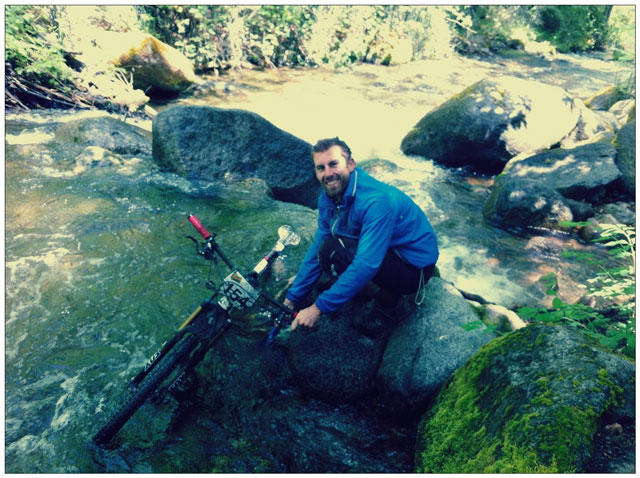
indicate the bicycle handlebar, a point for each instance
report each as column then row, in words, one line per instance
column 287, row 237
column 199, row 227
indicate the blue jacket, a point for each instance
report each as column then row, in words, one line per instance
column 381, row 217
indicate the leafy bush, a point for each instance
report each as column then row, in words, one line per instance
column 622, row 28
column 615, row 284
column 220, row 37
column 487, row 26
column 32, row 49
column 199, row 31
column 574, row 28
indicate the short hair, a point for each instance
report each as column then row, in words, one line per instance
column 324, row 144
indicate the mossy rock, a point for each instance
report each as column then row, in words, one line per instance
column 156, row 64
column 626, row 158
column 528, row 402
column 604, row 98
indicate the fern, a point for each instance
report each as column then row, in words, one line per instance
column 615, row 283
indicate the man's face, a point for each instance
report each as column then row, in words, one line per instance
column 333, row 171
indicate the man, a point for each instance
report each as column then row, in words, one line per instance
column 367, row 231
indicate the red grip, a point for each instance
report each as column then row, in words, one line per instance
column 198, row 225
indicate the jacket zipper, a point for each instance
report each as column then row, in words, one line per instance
column 335, row 222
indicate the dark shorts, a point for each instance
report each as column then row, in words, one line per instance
column 395, row 274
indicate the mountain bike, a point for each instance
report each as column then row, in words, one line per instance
column 168, row 368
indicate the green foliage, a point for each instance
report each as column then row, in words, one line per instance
column 488, row 26
column 618, row 281
column 622, row 33
column 574, row 28
column 221, row 37
column 615, row 284
column 32, row 49
column 199, row 31
column 276, row 34
column 569, row 28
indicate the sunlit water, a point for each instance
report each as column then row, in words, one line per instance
column 98, row 271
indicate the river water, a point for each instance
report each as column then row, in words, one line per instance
column 98, row 271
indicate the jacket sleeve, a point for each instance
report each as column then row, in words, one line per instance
column 310, row 270
column 375, row 237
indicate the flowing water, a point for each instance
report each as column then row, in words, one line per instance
column 98, row 271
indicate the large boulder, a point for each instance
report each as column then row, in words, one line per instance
column 626, row 158
column 530, row 401
column 492, row 121
column 542, row 190
column 588, row 172
column 334, row 361
column 108, row 133
column 520, row 204
column 217, row 144
column 153, row 64
column 403, row 362
column 428, row 347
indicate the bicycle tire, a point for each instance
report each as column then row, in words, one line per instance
column 159, row 373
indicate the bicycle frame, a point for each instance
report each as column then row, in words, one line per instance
column 165, row 370
column 235, row 293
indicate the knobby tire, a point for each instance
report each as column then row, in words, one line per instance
column 150, row 383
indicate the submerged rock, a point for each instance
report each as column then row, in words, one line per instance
column 106, row 132
column 531, row 401
column 269, row 426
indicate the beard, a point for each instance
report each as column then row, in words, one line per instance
column 335, row 185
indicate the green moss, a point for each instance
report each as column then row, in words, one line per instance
column 604, row 379
column 480, row 425
column 539, row 340
column 566, row 433
column 545, row 398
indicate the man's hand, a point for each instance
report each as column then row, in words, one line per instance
column 307, row 317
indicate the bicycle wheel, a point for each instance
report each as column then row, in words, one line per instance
column 160, row 372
